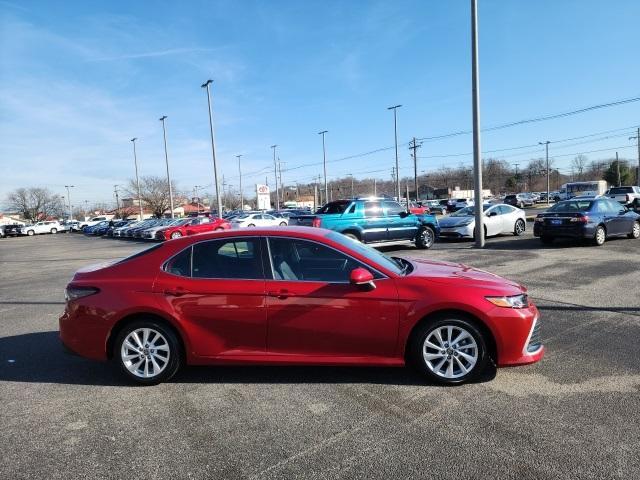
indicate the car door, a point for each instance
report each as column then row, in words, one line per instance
column 313, row 310
column 400, row 224
column 493, row 221
column 621, row 223
column 375, row 223
column 216, row 289
column 508, row 217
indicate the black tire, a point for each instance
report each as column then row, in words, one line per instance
column 251, row 225
column 174, row 346
column 600, row 236
column 546, row 240
column 425, row 238
column 283, row 224
column 54, row 231
column 519, row 231
column 31, row 233
column 635, row 230
column 458, row 322
column 352, row 236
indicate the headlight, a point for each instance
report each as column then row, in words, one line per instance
column 465, row 223
column 513, row 301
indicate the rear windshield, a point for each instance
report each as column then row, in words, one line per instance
column 510, row 197
column 617, row 190
column 571, row 206
column 335, row 207
column 141, row 253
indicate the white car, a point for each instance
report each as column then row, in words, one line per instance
column 42, row 227
column 258, row 220
column 498, row 219
column 94, row 221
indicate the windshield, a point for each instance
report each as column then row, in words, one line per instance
column 371, row 253
column 468, row 211
column 335, row 207
column 571, row 206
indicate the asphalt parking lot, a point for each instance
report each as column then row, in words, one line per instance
column 573, row 415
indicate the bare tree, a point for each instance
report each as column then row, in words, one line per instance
column 578, row 164
column 154, row 193
column 35, row 203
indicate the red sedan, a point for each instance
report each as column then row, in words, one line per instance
column 191, row 226
column 418, row 208
column 295, row 296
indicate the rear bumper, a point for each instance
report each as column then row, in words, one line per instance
column 564, row 231
column 84, row 334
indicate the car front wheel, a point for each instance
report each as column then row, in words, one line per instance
column 31, row 233
column 54, row 230
column 519, row 227
column 148, row 352
column 425, row 238
column 283, row 224
column 176, row 235
column 449, row 350
column 635, row 231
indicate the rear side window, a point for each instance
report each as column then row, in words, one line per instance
column 180, row 264
column 233, row 258
column 393, row 208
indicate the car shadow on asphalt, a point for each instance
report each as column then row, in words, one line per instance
column 40, row 358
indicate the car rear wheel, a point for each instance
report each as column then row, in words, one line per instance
column 519, row 227
column 352, row 236
column 600, row 236
column 426, row 238
column 219, row 229
column 54, row 230
column 251, row 225
column 176, row 235
column 635, row 231
column 31, row 233
column 283, row 224
column 449, row 350
column 148, row 352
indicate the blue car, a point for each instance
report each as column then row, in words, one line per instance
column 594, row 219
column 94, row 229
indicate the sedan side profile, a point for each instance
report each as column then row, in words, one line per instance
column 297, row 296
column 497, row 219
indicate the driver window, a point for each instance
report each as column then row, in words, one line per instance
column 302, row 260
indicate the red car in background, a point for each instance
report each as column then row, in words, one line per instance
column 193, row 226
column 295, row 296
column 418, row 208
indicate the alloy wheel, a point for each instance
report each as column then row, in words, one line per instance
column 145, row 353
column 600, row 236
column 635, row 233
column 176, row 235
column 519, row 227
column 450, row 351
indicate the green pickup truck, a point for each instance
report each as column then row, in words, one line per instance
column 373, row 220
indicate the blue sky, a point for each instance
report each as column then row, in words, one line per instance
column 79, row 79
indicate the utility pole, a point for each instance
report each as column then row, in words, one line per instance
column 115, row 191
column 275, row 169
column 395, row 133
column 375, row 188
column 477, row 152
column 546, row 146
column 516, row 165
column 393, row 179
column 166, row 159
column 135, row 161
column 618, row 169
column 213, row 149
column 414, row 146
column 637, row 138
column 351, row 175
column 240, row 173
column 324, row 165
column 69, row 199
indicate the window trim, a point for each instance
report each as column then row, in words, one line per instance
column 384, row 276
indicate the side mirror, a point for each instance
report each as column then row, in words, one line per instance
column 361, row 277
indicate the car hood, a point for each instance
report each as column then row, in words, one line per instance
column 454, row 221
column 458, row 274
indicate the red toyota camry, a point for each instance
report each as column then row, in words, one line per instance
column 295, row 296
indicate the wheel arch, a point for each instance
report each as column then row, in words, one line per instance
column 133, row 317
column 354, row 231
column 436, row 314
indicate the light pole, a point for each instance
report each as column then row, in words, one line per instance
column 395, row 133
column 240, row 173
column 324, row 165
column 69, row 199
column 166, row 159
column 135, row 162
column 275, row 170
column 477, row 159
column 213, row 148
column 546, row 146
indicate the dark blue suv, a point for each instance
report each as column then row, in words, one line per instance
column 595, row 219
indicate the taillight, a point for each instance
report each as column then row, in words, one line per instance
column 628, row 198
column 316, row 222
column 582, row 219
column 75, row 292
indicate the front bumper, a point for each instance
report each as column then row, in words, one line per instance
column 465, row 231
column 517, row 335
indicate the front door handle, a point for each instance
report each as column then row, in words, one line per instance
column 281, row 294
column 176, row 292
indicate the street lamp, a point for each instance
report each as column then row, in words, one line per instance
column 546, row 146
column 477, row 155
column 135, row 161
column 240, row 173
column 166, row 159
column 324, row 165
column 395, row 133
column 213, row 148
column 69, row 199
column 275, row 170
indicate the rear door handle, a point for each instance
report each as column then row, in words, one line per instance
column 282, row 294
column 176, row 292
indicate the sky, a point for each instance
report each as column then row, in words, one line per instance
column 79, row 79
